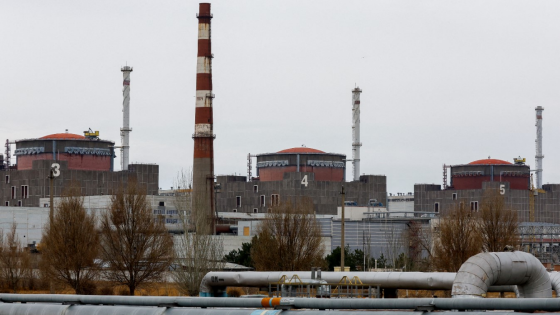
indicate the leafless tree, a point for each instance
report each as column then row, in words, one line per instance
column 289, row 239
column 135, row 245
column 498, row 224
column 458, row 238
column 394, row 242
column 419, row 239
column 70, row 244
column 14, row 259
column 197, row 252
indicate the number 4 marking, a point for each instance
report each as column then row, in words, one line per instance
column 304, row 181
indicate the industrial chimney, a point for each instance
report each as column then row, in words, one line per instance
column 203, row 162
column 356, row 132
column 538, row 145
column 125, row 130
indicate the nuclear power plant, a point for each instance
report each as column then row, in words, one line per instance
column 234, row 205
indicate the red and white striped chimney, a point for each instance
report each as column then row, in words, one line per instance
column 203, row 163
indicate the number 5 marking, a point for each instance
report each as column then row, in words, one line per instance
column 304, row 181
column 502, row 189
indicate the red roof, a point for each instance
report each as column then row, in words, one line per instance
column 490, row 162
column 63, row 136
column 301, row 150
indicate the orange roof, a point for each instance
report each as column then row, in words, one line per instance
column 63, row 136
column 489, row 162
column 301, row 150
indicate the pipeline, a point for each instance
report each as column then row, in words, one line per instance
column 217, row 281
column 177, row 305
column 504, row 268
column 555, row 282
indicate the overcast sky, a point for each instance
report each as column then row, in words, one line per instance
column 443, row 81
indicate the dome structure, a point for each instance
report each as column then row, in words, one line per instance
column 490, row 162
column 325, row 166
column 81, row 153
column 474, row 174
column 301, row 150
column 62, row 136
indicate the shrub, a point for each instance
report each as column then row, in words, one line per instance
column 235, row 292
column 106, row 291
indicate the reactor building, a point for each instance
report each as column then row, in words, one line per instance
column 533, row 201
column 289, row 175
column 83, row 160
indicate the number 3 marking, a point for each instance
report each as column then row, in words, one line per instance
column 56, row 169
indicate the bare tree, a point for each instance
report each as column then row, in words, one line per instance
column 498, row 224
column 197, row 252
column 459, row 238
column 14, row 259
column 419, row 239
column 394, row 240
column 70, row 244
column 289, row 239
column 135, row 245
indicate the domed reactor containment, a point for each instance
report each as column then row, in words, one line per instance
column 85, row 160
column 471, row 183
column 291, row 174
column 325, row 166
column 81, row 153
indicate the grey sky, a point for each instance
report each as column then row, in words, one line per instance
column 443, row 81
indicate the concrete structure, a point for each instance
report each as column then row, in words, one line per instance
column 26, row 187
column 538, row 146
column 203, row 162
column 126, row 129
column 295, row 173
column 83, row 160
column 356, row 144
column 238, row 195
column 400, row 202
column 470, row 181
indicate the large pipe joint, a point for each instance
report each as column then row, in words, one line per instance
column 481, row 271
column 555, row 281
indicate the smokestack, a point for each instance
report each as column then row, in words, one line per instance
column 538, row 144
column 125, row 130
column 203, row 162
column 356, row 132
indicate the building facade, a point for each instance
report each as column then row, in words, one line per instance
column 471, row 181
column 79, row 160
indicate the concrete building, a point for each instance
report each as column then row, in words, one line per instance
column 291, row 174
column 83, row 160
column 470, row 181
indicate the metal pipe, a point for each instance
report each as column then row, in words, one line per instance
column 538, row 146
column 213, row 281
column 174, row 303
column 555, row 282
column 356, row 144
column 125, row 130
column 516, row 268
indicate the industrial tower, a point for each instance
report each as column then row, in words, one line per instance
column 538, row 144
column 125, row 130
column 356, row 132
column 203, row 162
